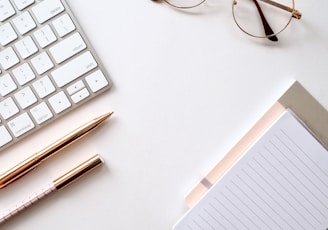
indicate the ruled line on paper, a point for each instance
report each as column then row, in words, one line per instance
column 299, row 170
column 196, row 223
column 279, row 194
column 223, row 216
column 205, row 220
column 280, row 187
column 214, row 218
column 307, row 178
column 291, row 184
column 256, row 204
column 264, row 201
column 229, row 211
column 241, row 211
column 250, row 210
column 301, row 160
column 306, row 155
column 277, row 202
column 297, row 178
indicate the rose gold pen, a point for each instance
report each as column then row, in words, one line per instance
column 57, row 184
column 36, row 159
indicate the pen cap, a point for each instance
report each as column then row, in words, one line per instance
column 77, row 172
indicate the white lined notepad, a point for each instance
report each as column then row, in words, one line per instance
column 281, row 182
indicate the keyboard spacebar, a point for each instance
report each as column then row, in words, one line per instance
column 74, row 69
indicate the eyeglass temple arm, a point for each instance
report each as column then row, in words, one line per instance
column 296, row 14
column 267, row 28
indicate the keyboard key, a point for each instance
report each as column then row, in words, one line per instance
column 79, row 96
column 77, row 86
column 8, row 34
column 5, row 137
column 74, row 69
column 21, row 124
column 23, row 74
column 8, row 108
column 96, row 81
column 7, row 85
column 44, row 87
column 67, row 48
column 41, row 113
column 59, row 102
column 22, row 4
column 25, row 97
column 26, row 47
column 6, row 10
column 42, row 63
column 8, row 58
column 47, row 9
column 45, row 36
column 63, row 25
column 24, row 23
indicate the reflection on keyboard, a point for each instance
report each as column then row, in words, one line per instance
column 47, row 66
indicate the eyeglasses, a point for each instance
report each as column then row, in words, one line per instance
column 253, row 16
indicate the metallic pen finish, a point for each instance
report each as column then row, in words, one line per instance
column 36, row 159
column 57, row 184
column 77, row 172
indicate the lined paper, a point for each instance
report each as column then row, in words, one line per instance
column 281, row 182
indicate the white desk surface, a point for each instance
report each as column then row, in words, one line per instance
column 186, row 88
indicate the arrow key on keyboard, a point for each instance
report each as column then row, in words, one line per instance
column 96, row 81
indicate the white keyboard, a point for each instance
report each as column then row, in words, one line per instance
column 47, row 66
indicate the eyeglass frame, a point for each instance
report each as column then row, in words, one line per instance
column 294, row 14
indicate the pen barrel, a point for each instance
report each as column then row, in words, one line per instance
column 19, row 170
column 65, row 141
column 78, row 172
column 24, row 204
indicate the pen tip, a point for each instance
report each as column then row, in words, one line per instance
column 104, row 117
column 107, row 115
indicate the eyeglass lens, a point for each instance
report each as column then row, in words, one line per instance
column 252, row 15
